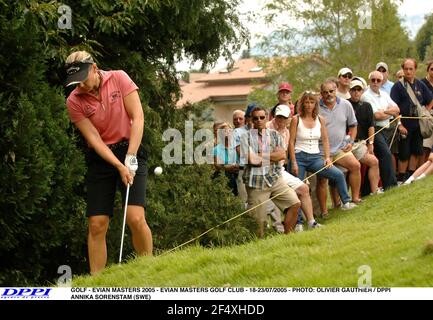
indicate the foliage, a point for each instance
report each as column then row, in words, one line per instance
column 334, row 30
column 424, row 39
column 41, row 208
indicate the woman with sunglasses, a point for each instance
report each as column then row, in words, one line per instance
column 307, row 130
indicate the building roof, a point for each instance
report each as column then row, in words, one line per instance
column 225, row 85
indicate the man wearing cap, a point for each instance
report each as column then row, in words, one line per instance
column 384, row 109
column 344, row 77
column 106, row 108
column 382, row 67
column 363, row 148
column 284, row 97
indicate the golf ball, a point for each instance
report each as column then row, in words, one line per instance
column 158, row 171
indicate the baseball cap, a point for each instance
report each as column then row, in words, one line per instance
column 250, row 108
column 77, row 71
column 356, row 83
column 360, row 79
column 344, row 71
column 383, row 65
column 282, row 110
column 285, row 86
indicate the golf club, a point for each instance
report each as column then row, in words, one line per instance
column 124, row 221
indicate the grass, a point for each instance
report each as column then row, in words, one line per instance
column 392, row 233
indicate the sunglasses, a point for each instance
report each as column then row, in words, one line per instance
column 257, row 118
column 347, row 76
column 328, row 92
column 356, row 89
column 376, row 80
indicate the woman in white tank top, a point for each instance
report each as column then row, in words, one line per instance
column 307, row 131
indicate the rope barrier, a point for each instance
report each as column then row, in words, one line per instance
column 279, row 194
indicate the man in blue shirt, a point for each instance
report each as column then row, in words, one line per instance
column 410, row 149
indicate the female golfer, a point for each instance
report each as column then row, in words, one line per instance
column 106, row 108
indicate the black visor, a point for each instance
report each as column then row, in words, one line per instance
column 77, row 72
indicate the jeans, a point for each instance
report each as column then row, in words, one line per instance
column 383, row 154
column 313, row 162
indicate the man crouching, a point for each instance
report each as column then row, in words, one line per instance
column 261, row 151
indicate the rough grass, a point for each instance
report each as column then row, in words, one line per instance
column 391, row 233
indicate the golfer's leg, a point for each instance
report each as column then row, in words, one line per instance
column 141, row 234
column 98, row 226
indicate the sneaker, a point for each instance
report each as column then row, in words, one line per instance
column 279, row 228
column 348, row 206
column 378, row 191
column 299, row 228
column 315, row 225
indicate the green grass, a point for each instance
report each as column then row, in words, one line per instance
column 389, row 232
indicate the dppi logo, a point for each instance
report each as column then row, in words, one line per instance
column 25, row 293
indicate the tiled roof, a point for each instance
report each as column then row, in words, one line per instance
column 239, row 82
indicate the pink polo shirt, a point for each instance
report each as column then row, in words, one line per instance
column 108, row 114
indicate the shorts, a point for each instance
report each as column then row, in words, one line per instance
column 339, row 155
column 103, row 179
column 411, row 145
column 359, row 150
column 286, row 198
column 292, row 181
column 428, row 143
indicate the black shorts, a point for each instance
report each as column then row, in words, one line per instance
column 103, row 179
column 411, row 145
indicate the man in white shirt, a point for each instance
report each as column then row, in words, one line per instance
column 384, row 109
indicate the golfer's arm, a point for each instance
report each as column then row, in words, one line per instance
column 94, row 140
column 135, row 112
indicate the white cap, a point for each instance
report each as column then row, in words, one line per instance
column 344, row 71
column 356, row 83
column 383, row 65
column 282, row 110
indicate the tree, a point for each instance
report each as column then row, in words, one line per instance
column 424, row 37
column 343, row 33
column 42, row 204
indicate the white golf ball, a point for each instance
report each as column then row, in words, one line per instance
column 158, row 171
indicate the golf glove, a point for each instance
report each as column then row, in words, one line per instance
column 131, row 163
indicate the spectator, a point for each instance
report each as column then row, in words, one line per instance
column 428, row 81
column 344, row 77
column 410, row 149
column 284, row 97
column 238, row 118
column 423, row 171
column 399, row 74
column 242, row 191
column 261, row 153
column 225, row 157
column 279, row 123
column 384, row 109
column 382, row 67
column 339, row 116
column 364, row 148
column 307, row 130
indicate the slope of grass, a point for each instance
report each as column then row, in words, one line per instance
column 387, row 232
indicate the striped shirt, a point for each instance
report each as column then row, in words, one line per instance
column 268, row 173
